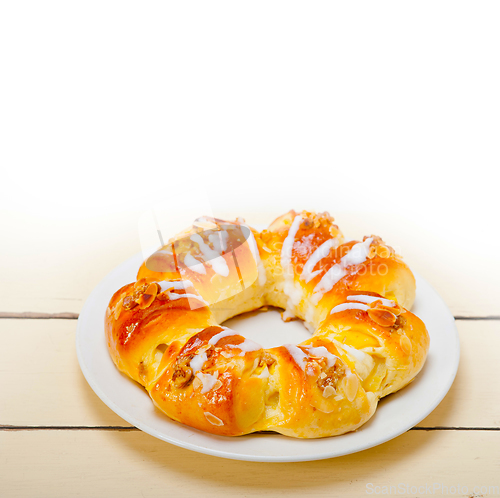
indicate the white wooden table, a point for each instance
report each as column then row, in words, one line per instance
column 57, row 439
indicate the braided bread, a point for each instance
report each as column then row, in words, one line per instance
column 164, row 330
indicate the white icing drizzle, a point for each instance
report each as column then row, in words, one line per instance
column 219, row 240
column 174, row 296
column 252, row 244
column 246, row 346
column 193, row 264
column 293, row 292
column 208, row 381
column 371, row 299
column 225, row 333
column 356, row 255
column 324, row 353
column 321, row 252
column 174, row 284
column 214, row 259
column 297, row 354
column 349, row 306
column 330, row 278
column 286, row 250
column 219, row 266
column 198, row 361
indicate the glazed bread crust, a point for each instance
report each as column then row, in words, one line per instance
column 164, row 330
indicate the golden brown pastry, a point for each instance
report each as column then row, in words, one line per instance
column 165, row 332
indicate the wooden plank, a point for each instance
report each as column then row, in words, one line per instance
column 471, row 401
column 117, row 464
column 41, row 382
column 38, row 357
column 52, row 265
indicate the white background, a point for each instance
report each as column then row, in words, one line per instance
column 385, row 113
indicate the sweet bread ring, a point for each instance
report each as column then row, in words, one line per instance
column 165, row 332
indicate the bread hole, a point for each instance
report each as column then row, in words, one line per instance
column 274, row 399
column 271, row 364
column 159, row 352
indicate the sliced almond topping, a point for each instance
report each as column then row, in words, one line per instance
column 351, row 386
column 197, row 383
column 322, row 375
column 217, row 385
column 118, row 309
column 325, row 410
column 146, row 299
column 328, row 391
column 213, row 419
column 397, row 310
column 382, row 317
column 338, row 397
column 153, row 288
column 405, row 344
column 265, row 248
column 163, row 296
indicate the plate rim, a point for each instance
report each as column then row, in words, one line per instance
column 131, row 419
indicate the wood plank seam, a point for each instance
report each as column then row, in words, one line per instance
column 35, row 315
column 66, row 428
column 126, row 428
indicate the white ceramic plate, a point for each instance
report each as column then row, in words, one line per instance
column 395, row 414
